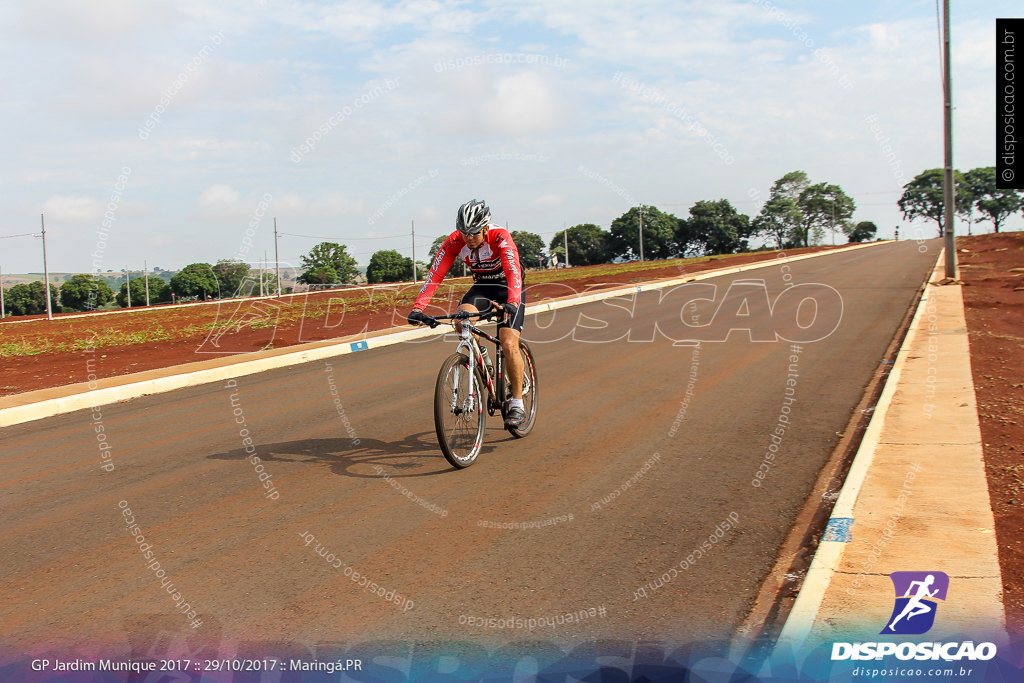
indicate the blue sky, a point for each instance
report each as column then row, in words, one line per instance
column 554, row 112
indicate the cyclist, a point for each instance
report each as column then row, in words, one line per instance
column 492, row 256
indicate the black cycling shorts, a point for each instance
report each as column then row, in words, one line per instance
column 482, row 294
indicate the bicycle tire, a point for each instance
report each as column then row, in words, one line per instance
column 460, row 432
column 530, row 403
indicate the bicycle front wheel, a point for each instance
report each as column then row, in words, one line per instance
column 459, row 411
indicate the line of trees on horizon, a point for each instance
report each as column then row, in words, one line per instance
column 796, row 213
column 89, row 292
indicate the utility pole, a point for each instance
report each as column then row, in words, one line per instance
column 277, row 260
column 46, row 270
column 128, row 286
column 145, row 278
column 2, row 313
column 413, row 224
column 262, row 266
column 565, row 236
column 833, row 221
column 950, row 191
column 641, row 233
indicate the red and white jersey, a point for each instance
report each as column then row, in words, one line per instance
column 496, row 260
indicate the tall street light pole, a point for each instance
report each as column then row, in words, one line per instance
column 949, row 196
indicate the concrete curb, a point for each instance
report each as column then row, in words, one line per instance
column 843, row 599
column 36, row 405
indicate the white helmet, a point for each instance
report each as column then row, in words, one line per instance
column 473, row 217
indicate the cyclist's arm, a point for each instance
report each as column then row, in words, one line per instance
column 510, row 265
column 443, row 261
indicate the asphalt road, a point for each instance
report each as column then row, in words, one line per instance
column 637, row 499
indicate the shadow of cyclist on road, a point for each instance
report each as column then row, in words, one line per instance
column 416, row 455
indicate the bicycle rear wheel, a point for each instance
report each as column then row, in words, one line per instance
column 459, row 411
column 529, row 392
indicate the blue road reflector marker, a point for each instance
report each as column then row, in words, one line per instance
column 359, row 346
column 838, row 529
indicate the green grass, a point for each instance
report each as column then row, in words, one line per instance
column 25, row 348
column 93, row 340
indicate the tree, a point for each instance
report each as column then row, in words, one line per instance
column 965, row 204
column 195, row 279
column 230, row 275
column 321, row 275
column 713, row 228
column 863, row 232
column 996, row 204
column 19, row 300
column 791, row 185
column 924, row 196
column 530, row 246
column 589, row 244
column 659, row 234
column 823, row 207
column 326, row 257
column 388, row 266
column 30, row 299
column 85, row 293
column 158, row 291
column 779, row 217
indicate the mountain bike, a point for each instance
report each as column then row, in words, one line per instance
column 468, row 384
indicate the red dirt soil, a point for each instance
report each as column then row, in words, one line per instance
column 992, row 268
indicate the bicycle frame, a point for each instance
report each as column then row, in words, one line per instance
column 469, row 345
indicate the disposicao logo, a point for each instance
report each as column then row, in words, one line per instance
column 917, row 596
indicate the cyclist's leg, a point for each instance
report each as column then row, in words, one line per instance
column 513, row 359
column 509, row 333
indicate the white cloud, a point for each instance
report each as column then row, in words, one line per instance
column 549, row 200
column 520, row 104
column 327, row 205
column 430, row 214
column 81, row 78
column 207, row 148
column 96, row 23
column 70, row 209
column 358, row 22
column 219, row 201
column 882, row 38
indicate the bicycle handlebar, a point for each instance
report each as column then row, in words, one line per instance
column 465, row 315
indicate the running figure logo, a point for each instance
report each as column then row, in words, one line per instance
column 917, row 594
